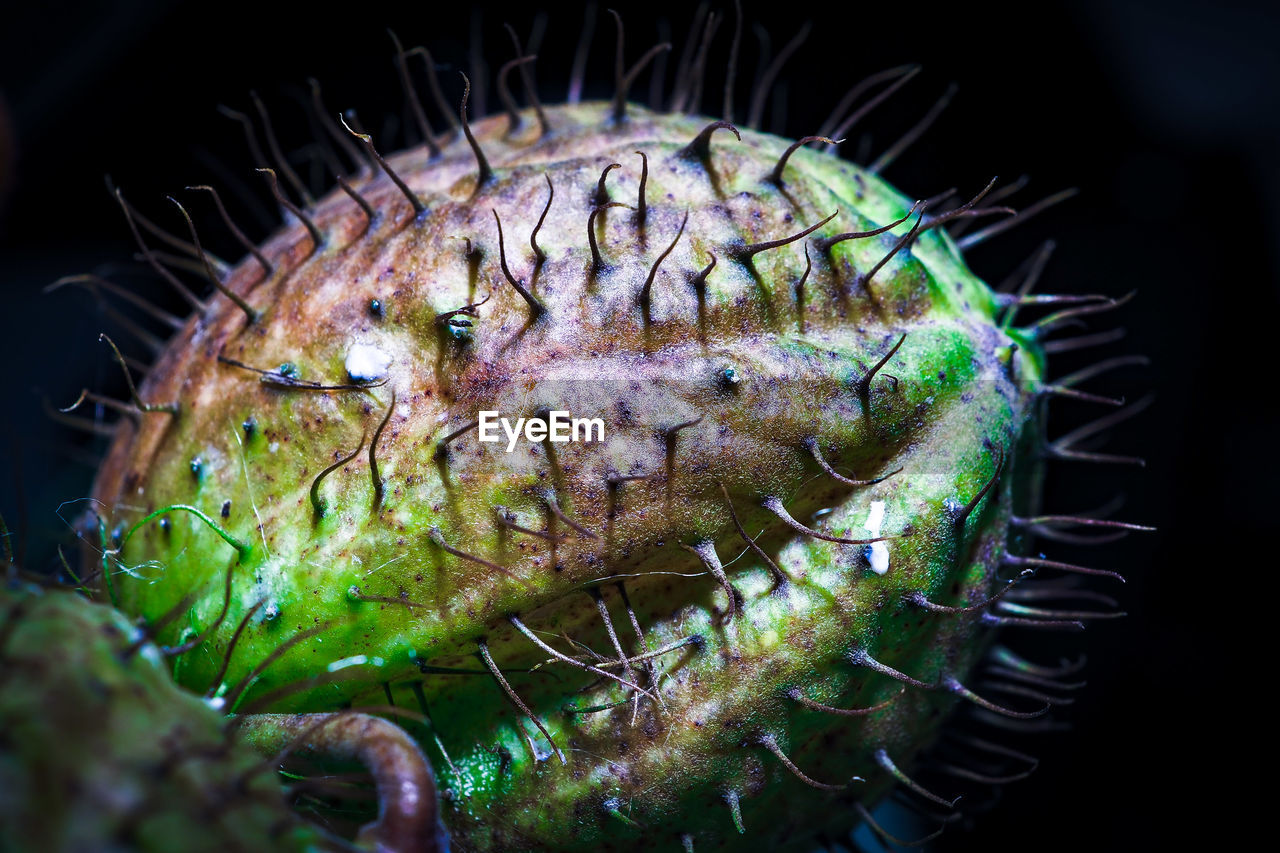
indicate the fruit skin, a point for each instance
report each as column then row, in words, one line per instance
column 99, row 750
column 386, row 589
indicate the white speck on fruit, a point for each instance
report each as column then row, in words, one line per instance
column 367, row 363
column 355, row 660
column 540, row 752
column 877, row 552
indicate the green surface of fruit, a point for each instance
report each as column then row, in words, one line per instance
column 622, row 642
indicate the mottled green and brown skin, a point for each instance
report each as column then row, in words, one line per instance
column 100, row 750
column 406, row 588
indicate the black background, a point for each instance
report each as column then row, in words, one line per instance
column 1165, row 114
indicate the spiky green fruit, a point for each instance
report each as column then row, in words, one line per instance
column 613, row 638
column 99, row 750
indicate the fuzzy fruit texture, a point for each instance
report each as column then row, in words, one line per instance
column 614, row 640
column 99, row 750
